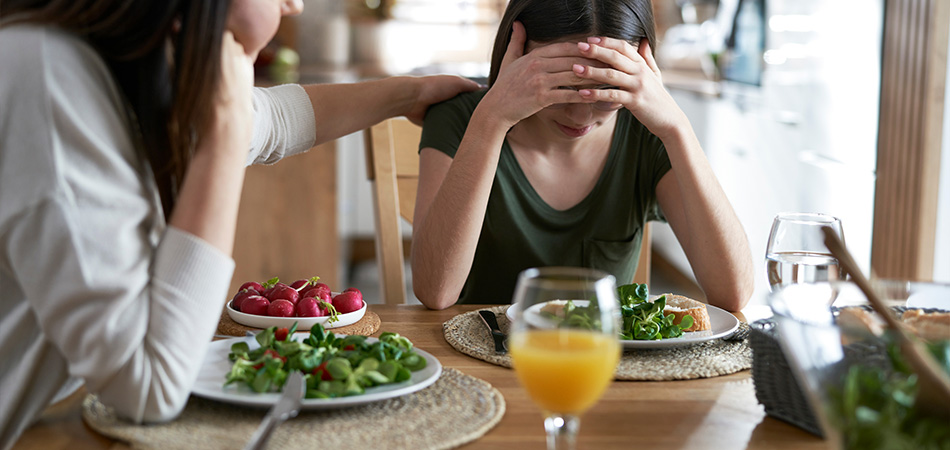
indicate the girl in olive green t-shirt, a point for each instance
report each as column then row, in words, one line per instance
column 574, row 146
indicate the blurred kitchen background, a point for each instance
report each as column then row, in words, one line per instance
column 784, row 96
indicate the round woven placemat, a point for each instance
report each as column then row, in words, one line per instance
column 455, row 410
column 469, row 335
column 366, row 326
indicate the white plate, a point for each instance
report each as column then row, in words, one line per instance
column 722, row 324
column 303, row 323
column 210, row 383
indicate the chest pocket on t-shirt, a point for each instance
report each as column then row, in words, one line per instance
column 618, row 258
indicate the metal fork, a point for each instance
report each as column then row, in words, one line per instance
column 285, row 408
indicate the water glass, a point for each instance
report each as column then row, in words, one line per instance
column 796, row 252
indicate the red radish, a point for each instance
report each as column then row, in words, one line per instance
column 317, row 291
column 353, row 289
column 281, row 334
column 282, row 291
column 319, row 294
column 322, row 371
column 240, row 296
column 348, row 301
column 308, row 308
column 280, row 308
column 273, row 354
column 303, row 285
column 255, row 304
column 252, row 285
column 268, row 291
column 326, row 306
column 299, row 284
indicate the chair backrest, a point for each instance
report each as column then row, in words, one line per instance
column 642, row 274
column 392, row 165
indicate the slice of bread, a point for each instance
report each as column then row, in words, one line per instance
column 932, row 327
column 680, row 306
column 554, row 307
column 859, row 319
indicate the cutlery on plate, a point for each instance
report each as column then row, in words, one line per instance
column 496, row 334
column 285, row 408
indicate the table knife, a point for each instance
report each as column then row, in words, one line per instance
column 496, row 334
column 285, row 408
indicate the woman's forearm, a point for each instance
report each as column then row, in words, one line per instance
column 713, row 238
column 446, row 233
column 207, row 204
column 341, row 109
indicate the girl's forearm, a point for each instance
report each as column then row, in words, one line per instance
column 445, row 238
column 714, row 239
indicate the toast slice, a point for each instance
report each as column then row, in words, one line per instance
column 680, row 306
column 933, row 327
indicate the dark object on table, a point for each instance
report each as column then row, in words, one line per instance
column 775, row 385
column 496, row 334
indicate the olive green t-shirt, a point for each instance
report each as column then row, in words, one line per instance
column 521, row 231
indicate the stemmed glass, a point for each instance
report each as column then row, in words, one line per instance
column 796, row 251
column 565, row 353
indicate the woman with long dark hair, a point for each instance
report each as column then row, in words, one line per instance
column 125, row 129
column 571, row 150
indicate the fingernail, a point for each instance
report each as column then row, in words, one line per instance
column 583, row 46
column 585, row 92
column 579, row 68
column 593, row 40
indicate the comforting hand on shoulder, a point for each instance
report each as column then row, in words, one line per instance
column 435, row 89
column 635, row 72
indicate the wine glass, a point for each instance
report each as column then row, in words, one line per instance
column 796, row 251
column 564, row 343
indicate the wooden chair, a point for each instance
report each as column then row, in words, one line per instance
column 392, row 165
column 642, row 274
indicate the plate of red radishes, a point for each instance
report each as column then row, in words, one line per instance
column 307, row 302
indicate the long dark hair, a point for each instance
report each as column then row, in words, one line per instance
column 550, row 20
column 165, row 56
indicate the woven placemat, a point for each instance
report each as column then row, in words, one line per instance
column 366, row 326
column 455, row 410
column 469, row 335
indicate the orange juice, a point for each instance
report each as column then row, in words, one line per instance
column 564, row 371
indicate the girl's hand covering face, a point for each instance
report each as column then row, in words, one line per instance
column 529, row 82
column 637, row 77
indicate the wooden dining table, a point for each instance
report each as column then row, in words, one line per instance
column 710, row 413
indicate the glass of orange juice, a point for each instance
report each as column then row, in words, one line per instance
column 564, row 343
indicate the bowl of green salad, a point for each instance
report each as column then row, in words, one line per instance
column 849, row 366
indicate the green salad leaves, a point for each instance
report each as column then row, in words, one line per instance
column 332, row 366
column 641, row 318
column 876, row 409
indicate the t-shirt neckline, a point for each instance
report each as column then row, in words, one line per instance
column 508, row 157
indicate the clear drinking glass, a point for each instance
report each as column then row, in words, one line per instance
column 796, row 252
column 564, row 343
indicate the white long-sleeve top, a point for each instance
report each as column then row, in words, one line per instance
column 93, row 285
